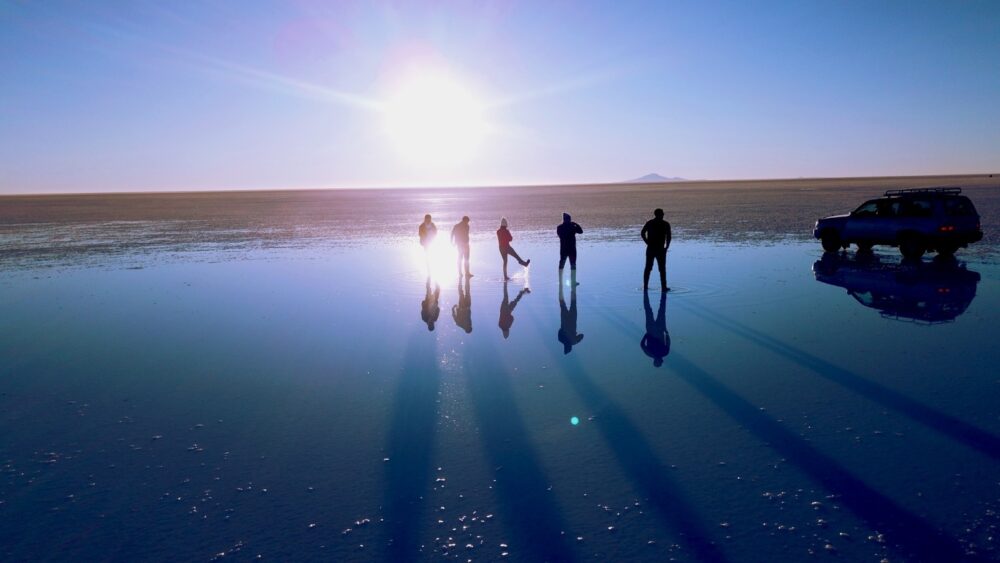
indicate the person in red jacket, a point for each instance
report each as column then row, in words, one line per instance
column 504, row 237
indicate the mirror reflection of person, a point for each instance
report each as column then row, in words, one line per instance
column 430, row 308
column 567, row 232
column 656, row 234
column 656, row 342
column 461, row 312
column 460, row 238
column 504, row 237
column 567, row 317
column 507, row 309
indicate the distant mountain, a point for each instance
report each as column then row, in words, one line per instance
column 654, row 177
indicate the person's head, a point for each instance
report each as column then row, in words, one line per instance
column 503, row 222
column 427, row 218
column 465, row 218
column 566, row 218
column 430, row 326
column 658, row 213
column 657, row 362
column 506, row 333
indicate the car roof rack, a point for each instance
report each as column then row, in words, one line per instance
column 939, row 190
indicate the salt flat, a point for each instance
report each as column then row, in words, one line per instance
column 76, row 228
column 253, row 374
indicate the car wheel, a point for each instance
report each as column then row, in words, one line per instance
column 831, row 241
column 947, row 249
column 911, row 247
column 865, row 247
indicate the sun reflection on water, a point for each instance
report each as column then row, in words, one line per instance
column 438, row 261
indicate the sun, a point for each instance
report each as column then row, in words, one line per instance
column 434, row 120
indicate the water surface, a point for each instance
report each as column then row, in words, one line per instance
column 293, row 404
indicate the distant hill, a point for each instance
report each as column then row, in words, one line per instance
column 654, row 177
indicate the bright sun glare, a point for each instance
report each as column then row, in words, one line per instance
column 433, row 120
column 440, row 260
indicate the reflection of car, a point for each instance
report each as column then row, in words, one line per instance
column 930, row 292
column 916, row 221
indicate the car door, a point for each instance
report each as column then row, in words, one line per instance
column 916, row 214
column 866, row 222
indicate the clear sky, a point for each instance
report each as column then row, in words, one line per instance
column 112, row 96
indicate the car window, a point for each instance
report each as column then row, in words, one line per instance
column 915, row 208
column 959, row 206
column 868, row 209
column 887, row 208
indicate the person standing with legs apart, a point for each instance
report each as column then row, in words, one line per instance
column 567, row 232
column 656, row 234
column 504, row 237
column 460, row 238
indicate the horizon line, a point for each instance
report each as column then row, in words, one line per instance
column 489, row 186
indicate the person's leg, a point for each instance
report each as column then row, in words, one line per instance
column 562, row 259
column 661, row 262
column 513, row 253
column 503, row 256
column 649, row 268
column 468, row 274
column 572, row 259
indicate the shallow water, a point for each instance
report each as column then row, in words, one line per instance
column 293, row 404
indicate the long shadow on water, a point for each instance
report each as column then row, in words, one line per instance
column 640, row 463
column 918, row 539
column 915, row 537
column 409, row 446
column 963, row 432
column 526, row 503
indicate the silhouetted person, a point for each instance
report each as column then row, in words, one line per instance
column 656, row 342
column 460, row 238
column 656, row 234
column 462, row 311
column 430, row 309
column 504, row 237
column 567, row 232
column 567, row 318
column 507, row 309
column 428, row 231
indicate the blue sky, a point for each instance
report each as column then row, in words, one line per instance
column 129, row 96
